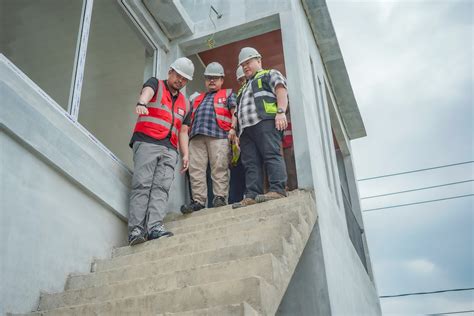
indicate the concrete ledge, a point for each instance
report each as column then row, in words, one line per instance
column 34, row 119
column 171, row 16
column 325, row 36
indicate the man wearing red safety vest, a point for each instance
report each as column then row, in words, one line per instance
column 161, row 109
column 209, row 124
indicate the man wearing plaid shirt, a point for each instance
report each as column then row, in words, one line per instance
column 262, row 120
column 210, row 122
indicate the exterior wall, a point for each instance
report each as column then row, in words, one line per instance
column 330, row 266
column 350, row 289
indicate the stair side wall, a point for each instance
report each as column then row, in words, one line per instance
column 56, row 214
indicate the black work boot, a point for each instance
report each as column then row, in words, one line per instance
column 193, row 207
column 158, row 231
column 219, row 201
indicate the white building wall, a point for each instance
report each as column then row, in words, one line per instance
column 62, row 199
column 350, row 289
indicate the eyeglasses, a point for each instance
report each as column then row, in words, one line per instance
column 209, row 78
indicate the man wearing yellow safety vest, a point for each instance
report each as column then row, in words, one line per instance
column 262, row 120
column 209, row 124
column 161, row 109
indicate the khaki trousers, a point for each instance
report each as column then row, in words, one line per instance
column 215, row 151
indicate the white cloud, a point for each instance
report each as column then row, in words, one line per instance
column 420, row 266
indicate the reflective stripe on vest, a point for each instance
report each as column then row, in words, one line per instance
column 161, row 121
column 223, row 115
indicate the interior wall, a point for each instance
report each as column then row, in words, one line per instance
column 40, row 38
column 113, row 77
column 197, row 84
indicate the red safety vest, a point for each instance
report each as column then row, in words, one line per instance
column 223, row 115
column 163, row 118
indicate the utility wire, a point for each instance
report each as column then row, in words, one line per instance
column 425, row 293
column 450, row 313
column 414, row 203
column 413, row 190
column 418, row 170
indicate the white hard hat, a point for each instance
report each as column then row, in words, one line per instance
column 247, row 53
column 240, row 72
column 214, row 69
column 184, row 67
column 193, row 96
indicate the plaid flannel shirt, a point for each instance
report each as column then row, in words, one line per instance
column 247, row 110
column 205, row 117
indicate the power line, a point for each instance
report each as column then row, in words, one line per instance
column 413, row 190
column 415, row 203
column 418, row 170
column 450, row 313
column 425, row 293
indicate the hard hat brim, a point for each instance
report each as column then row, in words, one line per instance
column 213, row 74
column 182, row 74
column 248, row 58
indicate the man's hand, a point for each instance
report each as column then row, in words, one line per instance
column 232, row 135
column 140, row 109
column 280, row 122
column 185, row 164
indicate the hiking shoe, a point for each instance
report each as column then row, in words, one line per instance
column 193, row 207
column 136, row 237
column 245, row 202
column 159, row 231
column 268, row 197
column 219, row 201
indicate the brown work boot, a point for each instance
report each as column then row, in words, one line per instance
column 268, row 197
column 245, row 202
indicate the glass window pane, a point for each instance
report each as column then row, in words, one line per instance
column 114, row 73
column 40, row 38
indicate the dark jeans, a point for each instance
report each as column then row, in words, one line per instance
column 260, row 145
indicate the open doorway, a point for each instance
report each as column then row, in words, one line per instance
column 270, row 46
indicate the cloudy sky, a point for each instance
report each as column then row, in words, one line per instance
column 410, row 64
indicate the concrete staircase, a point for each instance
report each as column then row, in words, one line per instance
column 220, row 262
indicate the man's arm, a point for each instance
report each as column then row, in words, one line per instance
column 282, row 102
column 148, row 91
column 184, row 147
column 145, row 97
column 232, row 104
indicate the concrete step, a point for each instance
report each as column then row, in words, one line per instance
column 252, row 290
column 211, row 221
column 233, row 218
column 242, row 309
column 174, row 219
column 265, row 266
column 252, row 245
column 214, row 239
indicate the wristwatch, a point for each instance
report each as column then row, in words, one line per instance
column 142, row 104
column 280, row 111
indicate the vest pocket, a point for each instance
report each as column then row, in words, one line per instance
column 270, row 107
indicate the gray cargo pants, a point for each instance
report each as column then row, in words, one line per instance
column 153, row 174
